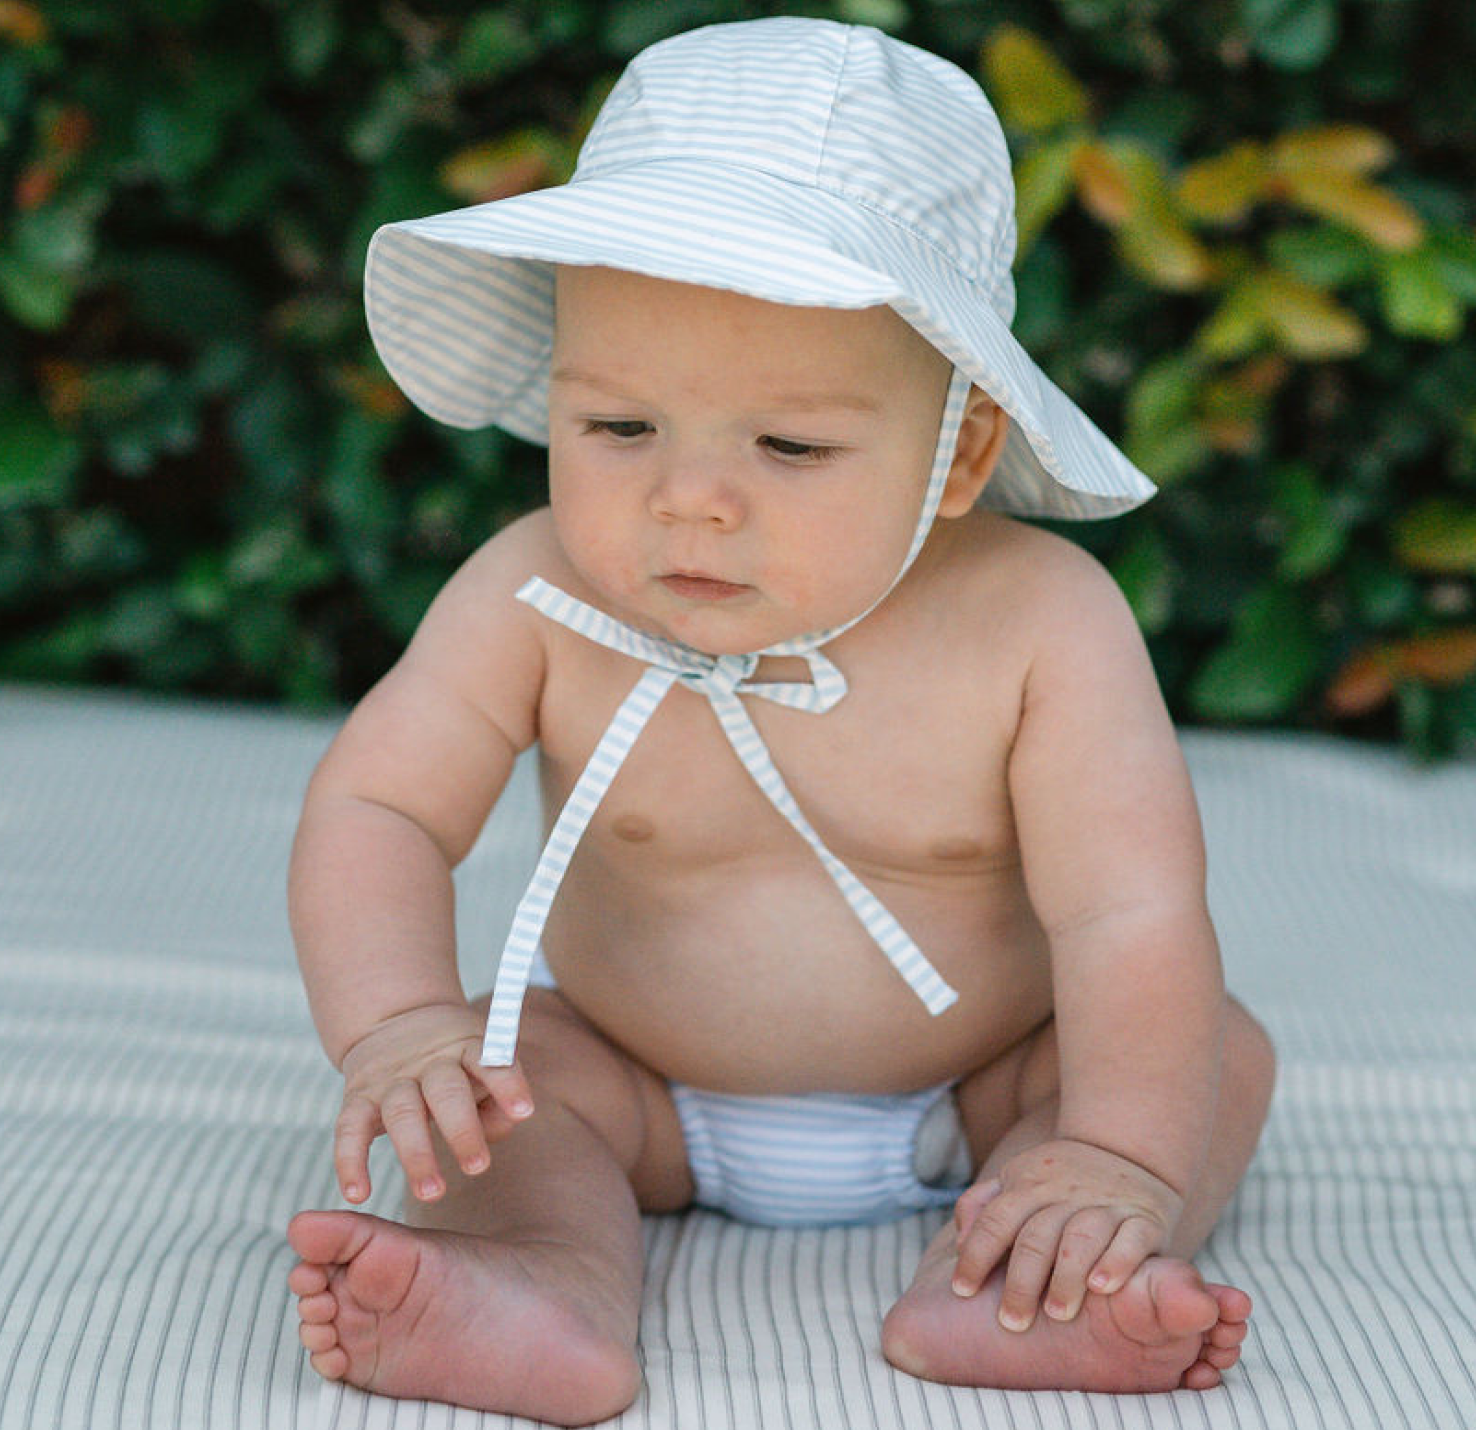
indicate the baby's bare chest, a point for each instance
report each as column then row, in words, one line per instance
column 897, row 778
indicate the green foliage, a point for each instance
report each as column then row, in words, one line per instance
column 1247, row 247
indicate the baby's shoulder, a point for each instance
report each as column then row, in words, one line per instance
column 1036, row 583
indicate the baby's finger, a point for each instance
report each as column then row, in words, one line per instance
column 1136, row 1240
column 405, row 1118
column 509, row 1090
column 1029, row 1268
column 448, row 1096
column 991, row 1221
column 357, row 1126
column 1084, row 1238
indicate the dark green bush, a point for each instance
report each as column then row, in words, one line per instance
column 1249, row 252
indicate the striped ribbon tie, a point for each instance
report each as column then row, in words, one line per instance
column 722, row 679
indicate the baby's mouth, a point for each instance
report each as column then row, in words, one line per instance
column 694, row 587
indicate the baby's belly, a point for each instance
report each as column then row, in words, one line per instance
column 768, row 983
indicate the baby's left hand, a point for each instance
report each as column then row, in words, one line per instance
column 1071, row 1217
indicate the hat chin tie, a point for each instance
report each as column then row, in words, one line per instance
column 721, row 679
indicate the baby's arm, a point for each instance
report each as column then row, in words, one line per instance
column 1114, row 864
column 396, row 803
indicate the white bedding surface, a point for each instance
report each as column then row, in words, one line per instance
column 164, row 1109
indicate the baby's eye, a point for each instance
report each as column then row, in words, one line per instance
column 799, row 451
column 622, row 431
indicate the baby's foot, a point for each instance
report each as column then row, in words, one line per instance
column 432, row 1315
column 1166, row 1329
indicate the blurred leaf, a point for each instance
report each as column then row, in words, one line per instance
column 1164, row 436
column 1371, row 677
column 1417, row 301
column 513, row 164
column 1032, row 90
column 889, row 15
column 1317, row 529
column 1453, row 251
column 310, row 35
column 1102, row 184
column 1292, row 34
column 1223, row 189
column 1144, row 571
column 1043, row 183
column 1237, row 326
column 1155, row 240
column 1324, row 256
column 1304, row 320
column 22, row 24
column 1345, row 148
column 38, row 464
column 493, row 43
column 1267, row 664
column 1438, row 537
column 1349, row 200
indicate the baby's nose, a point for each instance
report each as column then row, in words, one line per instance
column 699, row 492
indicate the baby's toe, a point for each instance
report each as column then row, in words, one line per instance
column 317, row 1337
column 307, row 1278
column 330, row 1364
column 1227, row 1334
column 317, row 1310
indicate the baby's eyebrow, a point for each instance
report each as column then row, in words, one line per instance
column 823, row 401
column 564, row 373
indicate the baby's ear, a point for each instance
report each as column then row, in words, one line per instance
column 981, row 438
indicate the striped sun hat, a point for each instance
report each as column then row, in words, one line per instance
column 797, row 161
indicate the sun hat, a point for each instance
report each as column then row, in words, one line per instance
column 793, row 160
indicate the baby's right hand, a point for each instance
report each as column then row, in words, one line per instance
column 417, row 1070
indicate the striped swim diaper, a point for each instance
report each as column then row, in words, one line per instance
column 823, row 1158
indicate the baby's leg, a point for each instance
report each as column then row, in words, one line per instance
column 519, row 1290
column 1166, row 1328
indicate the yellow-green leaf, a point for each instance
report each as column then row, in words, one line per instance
column 1223, row 188
column 1033, row 91
column 1304, row 320
column 1418, row 302
column 1163, row 249
column 1357, row 204
column 1439, row 537
column 1235, row 328
column 1346, row 148
column 1043, row 181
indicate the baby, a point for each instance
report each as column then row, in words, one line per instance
column 875, row 881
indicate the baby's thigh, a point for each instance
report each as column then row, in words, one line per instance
column 567, row 1059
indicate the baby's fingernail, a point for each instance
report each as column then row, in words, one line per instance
column 1013, row 1320
column 353, row 1192
column 478, row 1164
column 430, row 1188
column 963, row 1287
column 1100, row 1281
column 520, row 1107
column 1057, row 1311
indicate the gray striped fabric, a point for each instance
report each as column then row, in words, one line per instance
column 164, row 1109
column 798, row 161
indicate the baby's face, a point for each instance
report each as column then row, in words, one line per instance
column 732, row 473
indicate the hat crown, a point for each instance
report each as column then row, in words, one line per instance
column 903, row 133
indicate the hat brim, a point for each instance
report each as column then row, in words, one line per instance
column 460, row 305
